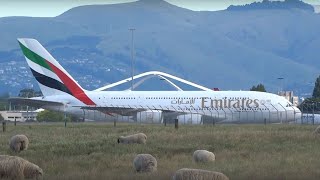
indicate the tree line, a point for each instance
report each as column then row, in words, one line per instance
column 260, row 87
column 309, row 105
column 312, row 104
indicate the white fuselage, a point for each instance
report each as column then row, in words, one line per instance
column 221, row 106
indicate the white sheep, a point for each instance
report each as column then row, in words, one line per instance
column 203, row 156
column 16, row 168
column 18, row 143
column 197, row 174
column 145, row 163
column 139, row 138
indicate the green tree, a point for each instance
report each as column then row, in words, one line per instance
column 311, row 105
column 28, row 93
column 50, row 116
column 4, row 101
column 3, row 105
column 316, row 89
column 74, row 118
column 260, row 87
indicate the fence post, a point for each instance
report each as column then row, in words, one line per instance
column 65, row 119
column 313, row 120
column 165, row 122
column 176, row 123
column 313, row 113
column 265, row 121
column 4, row 126
column 15, row 121
column 114, row 123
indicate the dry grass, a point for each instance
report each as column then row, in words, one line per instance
column 90, row 150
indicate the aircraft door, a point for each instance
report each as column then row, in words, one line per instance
column 140, row 100
column 107, row 100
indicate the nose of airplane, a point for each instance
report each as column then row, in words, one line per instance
column 297, row 110
column 297, row 114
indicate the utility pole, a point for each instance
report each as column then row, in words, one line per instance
column 132, row 58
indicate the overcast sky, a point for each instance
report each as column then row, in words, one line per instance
column 50, row 8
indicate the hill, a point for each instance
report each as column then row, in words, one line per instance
column 231, row 49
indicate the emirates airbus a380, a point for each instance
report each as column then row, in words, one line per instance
column 62, row 93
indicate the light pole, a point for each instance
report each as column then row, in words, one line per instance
column 132, row 58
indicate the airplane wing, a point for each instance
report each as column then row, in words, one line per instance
column 38, row 103
column 127, row 110
column 124, row 111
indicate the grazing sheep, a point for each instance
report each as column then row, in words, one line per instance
column 198, row 174
column 19, row 143
column 16, row 168
column 145, row 163
column 203, row 156
column 139, row 138
column 317, row 131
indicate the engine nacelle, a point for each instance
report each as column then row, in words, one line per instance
column 149, row 117
column 190, row 119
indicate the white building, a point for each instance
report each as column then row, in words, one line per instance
column 19, row 116
column 290, row 97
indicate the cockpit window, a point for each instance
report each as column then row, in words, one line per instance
column 289, row 105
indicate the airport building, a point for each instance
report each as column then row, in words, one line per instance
column 19, row 116
column 290, row 97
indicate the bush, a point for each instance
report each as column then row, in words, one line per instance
column 53, row 116
column 50, row 116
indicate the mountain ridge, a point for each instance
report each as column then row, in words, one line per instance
column 225, row 49
column 266, row 4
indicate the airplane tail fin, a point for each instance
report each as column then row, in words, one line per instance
column 53, row 79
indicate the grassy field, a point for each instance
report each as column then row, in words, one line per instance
column 90, row 150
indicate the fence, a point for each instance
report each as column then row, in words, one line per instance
column 310, row 113
column 197, row 115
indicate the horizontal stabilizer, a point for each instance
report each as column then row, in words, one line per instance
column 38, row 103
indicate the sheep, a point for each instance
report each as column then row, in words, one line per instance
column 197, row 174
column 203, row 156
column 317, row 131
column 16, row 168
column 139, row 138
column 19, row 143
column 145, row 163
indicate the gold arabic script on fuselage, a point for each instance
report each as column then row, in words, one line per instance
column 222, row 103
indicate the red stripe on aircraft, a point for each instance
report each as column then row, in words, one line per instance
column 71, row 85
